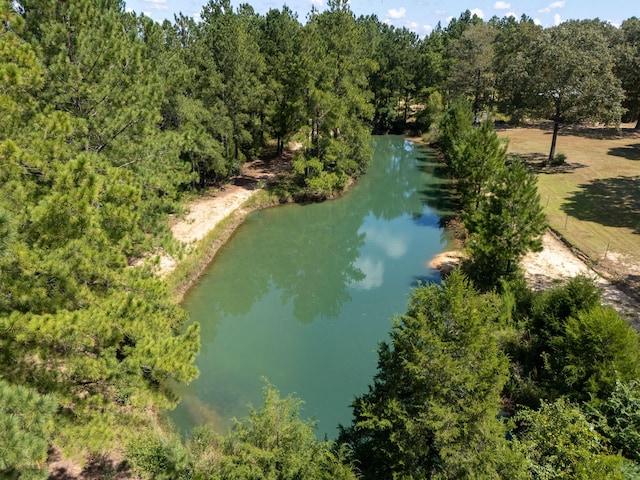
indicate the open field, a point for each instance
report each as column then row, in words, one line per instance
column 593, row 201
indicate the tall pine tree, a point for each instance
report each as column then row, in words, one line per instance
column 432, row 410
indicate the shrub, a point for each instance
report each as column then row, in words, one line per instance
column 558, row 159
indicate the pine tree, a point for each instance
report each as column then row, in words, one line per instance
column 431, row 412
column 232, row 45
column 335, row 67
column 280, row 41
column 479, row 158
column 508, row 222
column 26, row 426
column 471, row 74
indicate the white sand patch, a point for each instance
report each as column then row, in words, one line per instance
column 557, row 262
column 205, row 213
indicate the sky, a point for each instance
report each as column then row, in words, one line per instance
column 419, row 15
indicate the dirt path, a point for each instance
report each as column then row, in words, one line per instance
column 556, row 262
column 204, row 214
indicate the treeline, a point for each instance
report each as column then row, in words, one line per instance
column 109, row 118
column 500, row 217
column 513, row 69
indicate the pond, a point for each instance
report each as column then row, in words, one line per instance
column 302, row 294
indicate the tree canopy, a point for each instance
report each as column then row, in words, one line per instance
column 432, row 411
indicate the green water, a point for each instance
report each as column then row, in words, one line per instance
column 303, row 294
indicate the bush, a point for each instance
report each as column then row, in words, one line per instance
column 154, row 457
column 558, row 159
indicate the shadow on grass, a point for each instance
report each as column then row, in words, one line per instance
column 585, row 131
column 594, row 133
column 630, row 152
column 537, row 162
column 613, row 202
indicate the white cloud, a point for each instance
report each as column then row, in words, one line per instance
column 427, row 28
column 387, row 21
column 551, row 6
column 556, row 19
column 501, row 5
column 478, row 12
column 414, row 25
column 440, row 12
column 511, row 14
column 157, row 4
column 397, row 13
column 317, row 3
column 128, row 10
column 373, row 271
column 393, row 245
column 537, row 21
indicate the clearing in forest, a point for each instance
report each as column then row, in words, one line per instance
column 593, row 199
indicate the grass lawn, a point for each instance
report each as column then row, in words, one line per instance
column 593, row 200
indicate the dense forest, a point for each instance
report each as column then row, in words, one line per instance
column 110, row 120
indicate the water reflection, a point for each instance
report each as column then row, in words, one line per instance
column 318, row 249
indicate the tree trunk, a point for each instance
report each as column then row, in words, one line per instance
column 476, row 100
column 552, row 153
column 406, row 107
column 637, row 127
column 556, row 127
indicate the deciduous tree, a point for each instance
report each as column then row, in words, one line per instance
column 562, row 444
column 570, row 76
column 628, row 66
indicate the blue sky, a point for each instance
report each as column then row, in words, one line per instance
column 421, row 15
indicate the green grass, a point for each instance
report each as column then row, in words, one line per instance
column 593, row 200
